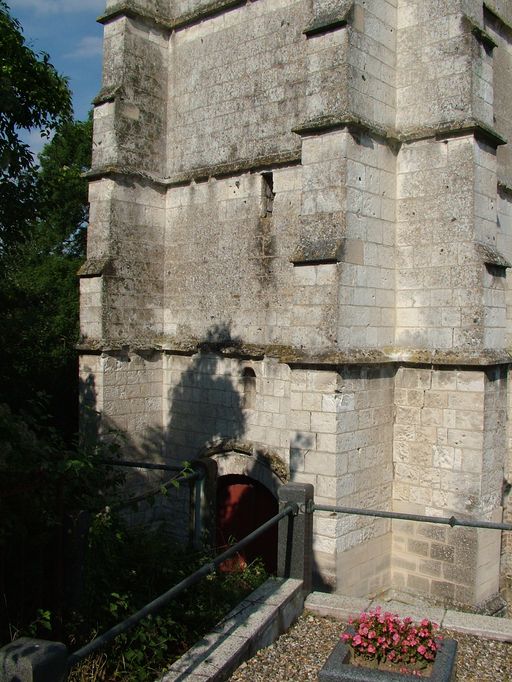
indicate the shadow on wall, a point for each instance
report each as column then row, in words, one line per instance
column 207, row 408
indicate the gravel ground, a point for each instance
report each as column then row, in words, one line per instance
column 299, row 654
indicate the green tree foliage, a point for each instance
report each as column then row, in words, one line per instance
column 44, row 480
column 43, row 488
column 62, row 189
column 43, row 210
column 32, row 95
column 39, row 287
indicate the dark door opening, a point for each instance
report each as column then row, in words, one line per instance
column 243, row 504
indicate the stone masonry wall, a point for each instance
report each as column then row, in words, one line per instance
column 130, row 112
column 367, row 279
column 122, row 283
column 338, row 205
column 442, row 71
column 250, row 61
column 504, row 245
column 364, row 442
column 506, row 548
column 299, row 239
column 448, row 459
column 372, row 60
column 501, row 77
column 505, row 221
column 205, row 405
column 439, row 298
column 331, row 430
column 121, row 400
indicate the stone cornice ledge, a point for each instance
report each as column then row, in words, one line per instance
column 284, row 158
column 483, row 37
column 131, row 9
column 118, row 170
column 317, row 126
column 454, row 356
column 501, row 18
column 108, row 94
column 327, row 21
column 281, row 158
column 478, row 128
column 504, row 188
column 350, row 121
column 322, row 124
column 295, row 356
column 408, row 356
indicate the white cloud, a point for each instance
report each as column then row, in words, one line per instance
column 57, row 6
column 88, row 46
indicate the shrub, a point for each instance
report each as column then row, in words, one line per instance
column 141, row 564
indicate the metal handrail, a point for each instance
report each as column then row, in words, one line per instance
column 298, row 499
column 195, row 475
column 158, row 603
column 140, row 465
column 449, row 521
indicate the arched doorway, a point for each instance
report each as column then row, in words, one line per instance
column 244, row 504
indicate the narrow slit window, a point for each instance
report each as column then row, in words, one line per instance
column 249, row 386
column 268, row 194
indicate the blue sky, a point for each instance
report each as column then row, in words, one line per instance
column 68, row 32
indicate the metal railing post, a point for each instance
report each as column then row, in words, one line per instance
column 202, row 503
column 33, row 660
column 295, row 544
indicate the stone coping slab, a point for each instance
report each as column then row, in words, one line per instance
column 476, row 624
column 342, row 608
column 255, row 623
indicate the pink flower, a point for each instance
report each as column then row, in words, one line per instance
column 386, row 636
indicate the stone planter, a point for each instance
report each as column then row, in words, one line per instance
column 337, row 668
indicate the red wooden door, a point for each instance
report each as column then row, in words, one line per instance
column 243, row 504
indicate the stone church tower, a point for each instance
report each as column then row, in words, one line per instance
column 299, row 242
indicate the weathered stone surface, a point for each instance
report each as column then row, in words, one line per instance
column 317, row 195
